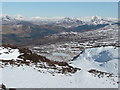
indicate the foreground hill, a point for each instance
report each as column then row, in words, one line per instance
column 26, row 68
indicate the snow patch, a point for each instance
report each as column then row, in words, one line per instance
column 9, row 54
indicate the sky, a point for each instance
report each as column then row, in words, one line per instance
column 58, row 9
column 60, row 0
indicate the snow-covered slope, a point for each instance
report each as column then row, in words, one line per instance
column 9, row 53
column 100, row 58
column 27, row 77
column 93, row 71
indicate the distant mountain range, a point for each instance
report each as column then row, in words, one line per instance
column 60, row 21
column 18, row 29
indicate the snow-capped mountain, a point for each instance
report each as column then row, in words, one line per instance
column 7, row 18
column 10, row 18
column 69, row 22
column 89, row 18
column 14, row 20
column 99, row 20
column 60, row 21
column 68, row 19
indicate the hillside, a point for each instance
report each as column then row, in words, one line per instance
column 26, row 67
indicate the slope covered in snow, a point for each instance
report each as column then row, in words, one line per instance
column 8, row 53
column 24, row 77
column 100, row 58
column 86, row 71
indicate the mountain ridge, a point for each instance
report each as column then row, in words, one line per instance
column 16, row 29
column 97, row 19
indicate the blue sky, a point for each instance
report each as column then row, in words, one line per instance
column 56, row 9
